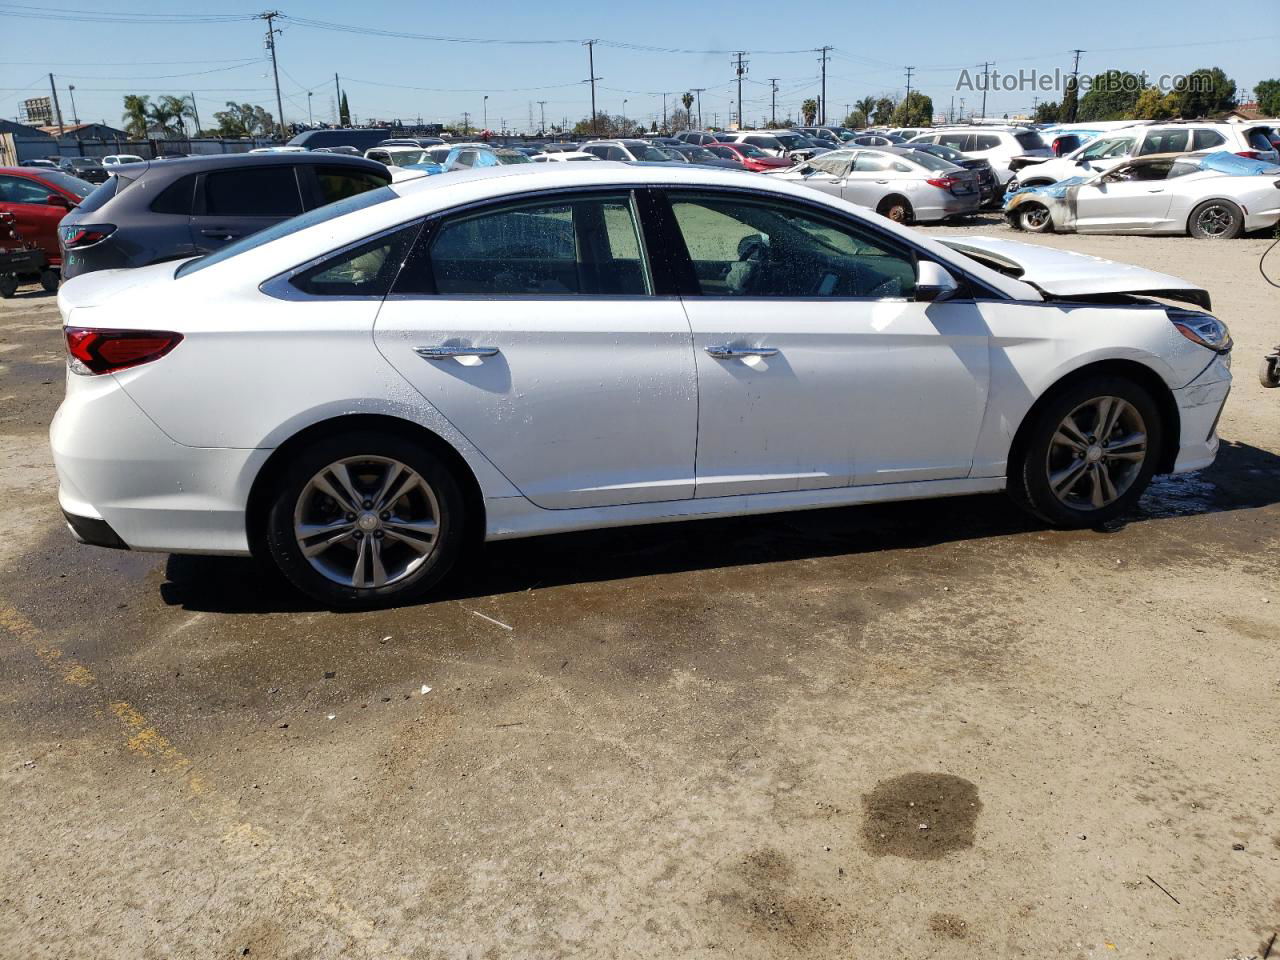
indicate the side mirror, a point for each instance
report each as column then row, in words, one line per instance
column 934, row 282
column 57, row 200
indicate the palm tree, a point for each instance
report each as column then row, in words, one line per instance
column 178, row 109
column 135, row 115
column 810, row 110
column 162, row 117
column 687, row 100
column 865, row 106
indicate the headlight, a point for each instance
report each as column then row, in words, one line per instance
column 1202, row 329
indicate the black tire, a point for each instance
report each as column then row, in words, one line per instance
column 1269, row 371
column 8, row 286
column 49, row 279
column 1034, row 218
column 897, row 209
column 1042, row 456
column 285, row 551
column 1216, row 220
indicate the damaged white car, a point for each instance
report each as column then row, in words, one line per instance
column 1215, row 196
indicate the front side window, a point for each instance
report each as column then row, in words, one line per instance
column 836, row 164
column 365, row 271
column 744, row 247
column 564, row 247
column 957, row 141
column 21, row 190
column 871, row 162
column 252, row 192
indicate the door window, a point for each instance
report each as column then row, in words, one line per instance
column 366, row 271
column 957, row 141
column 252, row 192
column 984, row 141
column 869, row 162
column 1106, row 149
column 836, row 164
column 1165, row 141
column 338, row 184
column 22, row 190
column 177, row 198
column 586, row 246
column 741, row 247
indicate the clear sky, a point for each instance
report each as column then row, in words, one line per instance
column 662, row 45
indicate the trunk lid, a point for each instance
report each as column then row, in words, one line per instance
column 97, row 288
column 1065, row 275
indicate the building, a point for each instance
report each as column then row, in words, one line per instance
column 20, row 142
column 86, row 131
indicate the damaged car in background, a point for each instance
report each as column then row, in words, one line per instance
column 1216, row 196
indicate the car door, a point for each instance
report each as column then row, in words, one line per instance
column 869, row 180
column 37, row 219
column 239, row 201
column 829, row 172
column 1127, row 198
column 531, row 325
column 817, row 368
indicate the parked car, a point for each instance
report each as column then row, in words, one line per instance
column 790, row 351
column 907, row 186
column 874, row 140
column 698, row 138
column 404, row 156
column 1215, row 196
column 908, row 133
column 988, row 186
column 280, row 149
column 627, row 151
column 150, row 212
column 345, row 151
column 360, row 139
column 779, row 143
column 116, row 159
column 1141, row 140
column 89, row 169
column 440, row 152
column 564, row 156
column 705, row 156
column 20, row 262
column 749, row 157
column 412, row 142
column 39, row 200
column 45, row 164
column 462, row 158
column 833, row 136
column 559, row 147
column 997, row 145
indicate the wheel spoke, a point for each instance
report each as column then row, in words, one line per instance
column 419, row 535
column 1109, row 491
column 1065, row 479
column 391, row 492
column 1063, row 439
column 1095, row 492
column 343, row 476
column 1109, row 417
column 375, row 556
column 358, row 573
column 336, row 493
column 315, row 538
column 1072, row 431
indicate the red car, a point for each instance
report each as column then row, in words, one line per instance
column 38, row 199
column 751, row 158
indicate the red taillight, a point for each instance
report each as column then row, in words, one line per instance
column 946, row 183
column 105, row 351
column 1251, row 154
column 1054, row 148
column 74, row 238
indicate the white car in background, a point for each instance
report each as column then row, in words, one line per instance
column 907, row 186
column 563, row 156
column 1216, row 196
column 118, row 159
column 997, row 145
column 1139, row 140
column 356, row 393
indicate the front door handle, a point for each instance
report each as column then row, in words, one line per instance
column 1156, row 190
column 223, row 233
column 882, row 181
column 444, row 353
column 732, row 353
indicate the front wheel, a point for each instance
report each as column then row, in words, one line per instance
column 1089, row 453
column 1216, row 220
column 1035, row 218
column 365, row 520
column 49, row 279
column 8, row 285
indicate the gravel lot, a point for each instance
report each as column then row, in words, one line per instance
column 917, row 730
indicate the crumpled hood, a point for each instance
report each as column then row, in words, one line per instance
column 1058, row 190
column 1066, row 275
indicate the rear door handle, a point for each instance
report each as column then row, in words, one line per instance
column 1156, row 190
column 732, row 353
column 223, row 233
column 444, row 353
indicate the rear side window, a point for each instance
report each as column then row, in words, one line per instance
column 365, row 271
column 252, row 192
column 1165, row 141
column 985, row 141
column 338, row 184
column 1204, row 139
column 871, row 162
column 566, row 247
column 957, row 141
column 1030, row 140
column 177, row 198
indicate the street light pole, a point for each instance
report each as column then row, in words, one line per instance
column 309, row 121
column 486, row 112
column 75, row 116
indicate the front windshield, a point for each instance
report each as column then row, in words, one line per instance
column 791, row 141
column 1102, row 149
column 650, row 154
column 699, row 154
column 401, row 158
column 513, row 157
column 83, row 163
column 284, row 228
column 750, row 151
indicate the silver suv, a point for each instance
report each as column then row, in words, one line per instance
column 628, row 151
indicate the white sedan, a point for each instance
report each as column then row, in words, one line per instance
column 1215, row 196
column 357, row 392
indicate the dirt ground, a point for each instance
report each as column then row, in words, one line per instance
column 916, row 730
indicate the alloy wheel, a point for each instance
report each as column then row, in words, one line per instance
column 366, row 522
column 1215, row 221
column 1035, row 218
column 1096, row 453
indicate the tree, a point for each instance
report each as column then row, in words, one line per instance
column 608, row 126
column 915, row 110
column 244, row 120
column 176, row 110
column 1267, row 93
column 1047, row 113
column 344, row 111
column 866, row 106
column 1205, row 92
column 678, row 120
column 883, row 114
column 136, row 109
column 1111, row 96
column 809, row 109
column 1155, row 105
column 1070, row 101
column 856, row 120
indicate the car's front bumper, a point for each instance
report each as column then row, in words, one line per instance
column 1200, row 405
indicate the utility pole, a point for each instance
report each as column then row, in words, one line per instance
column 592, row 78
column 75, row 114
column 310, row 123
column 56, row 108
column 697, row 91
column 1075, row 84
column 773, row 100
column 270, row 16
column 664, row 113
column 741, row 68
column 910, row 71
column 822, row 107
column 986, row 82
column 196, row 111
column 542, row 130
column 466, row 123
column 337, row 108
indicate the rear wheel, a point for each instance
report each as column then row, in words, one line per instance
column 365, row 520
column 1090, row 452
column 1035, row 218
column 1216, row 220
column 8, row 286
column 897, row 209
column 49, row 279
column 1269, row 371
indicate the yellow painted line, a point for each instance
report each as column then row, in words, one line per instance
column 270, row 858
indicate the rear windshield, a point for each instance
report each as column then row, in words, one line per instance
column 1030, row 140
column 286, row 227
column 100, row 196
column 929, row 161
column 72, row 185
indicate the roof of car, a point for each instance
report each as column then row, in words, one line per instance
column 224, row 160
